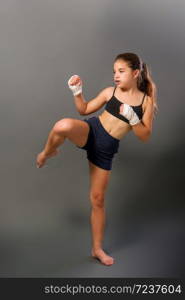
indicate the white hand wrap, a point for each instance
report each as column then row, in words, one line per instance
column 77, row 88
column 130, row 114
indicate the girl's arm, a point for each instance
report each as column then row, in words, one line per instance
column 83, row 107
column 86, row 108
column 143, row 129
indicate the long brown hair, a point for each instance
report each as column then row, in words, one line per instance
column 145, row 82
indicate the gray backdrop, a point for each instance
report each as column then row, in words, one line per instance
column 44, row 215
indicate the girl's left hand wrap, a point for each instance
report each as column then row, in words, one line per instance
column 128, row 112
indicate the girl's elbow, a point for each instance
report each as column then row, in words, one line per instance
column 147, row 136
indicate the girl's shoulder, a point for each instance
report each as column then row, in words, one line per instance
column 109, row 92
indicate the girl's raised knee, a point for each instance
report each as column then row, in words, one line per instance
column 63, row 125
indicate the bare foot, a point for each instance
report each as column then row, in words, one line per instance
column 103, row 257
column 42, row 157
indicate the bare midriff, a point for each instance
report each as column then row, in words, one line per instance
column 114, row 126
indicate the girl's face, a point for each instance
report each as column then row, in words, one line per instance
column 124, row 77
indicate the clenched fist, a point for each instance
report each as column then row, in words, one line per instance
column 128, row 112
column 75, row 84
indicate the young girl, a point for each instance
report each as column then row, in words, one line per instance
column 130, row 105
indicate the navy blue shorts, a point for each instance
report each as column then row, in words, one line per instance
column 100, row 145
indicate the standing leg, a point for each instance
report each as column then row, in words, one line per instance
column 98, row 182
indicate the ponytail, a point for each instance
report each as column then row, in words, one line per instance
column 147, row 85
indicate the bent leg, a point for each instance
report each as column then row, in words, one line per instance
column 75, row 130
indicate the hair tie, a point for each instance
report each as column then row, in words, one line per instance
column 141, row 65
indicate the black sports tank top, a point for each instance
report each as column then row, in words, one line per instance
column 113, row 107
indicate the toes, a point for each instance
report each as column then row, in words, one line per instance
column 109, row 261
column 105, row 261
